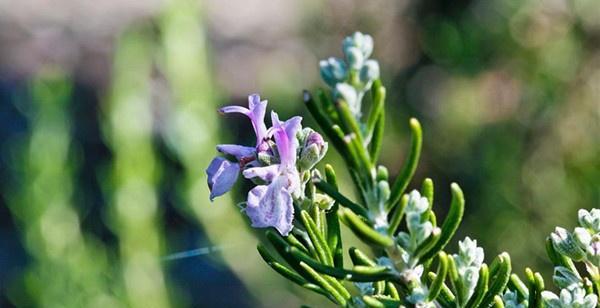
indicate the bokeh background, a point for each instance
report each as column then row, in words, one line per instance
column 108, row 119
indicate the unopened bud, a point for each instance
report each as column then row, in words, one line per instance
column 333, row 71
column 564, row 277
column 313, row 150
column 566, row 245
column 362, row 42
column 382, row 173
column 349, row 94
column 369, row 72
column 323, row 201
column 590, row 220
column 582, row 237
column 593, row 251
column 354, row 57
column 383, row 189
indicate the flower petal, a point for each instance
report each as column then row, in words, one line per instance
column 222, row 174
column 285, row 138
column 266, row 174
column 271, row 206
column 239, row 151
column 235, row 109
column 257, row 113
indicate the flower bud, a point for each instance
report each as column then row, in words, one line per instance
column 582, row 237
column 354, row 57
column 348, row 93
column 333, row 71
column 313, row 151
column 416, row 203
column 566, row 245
column 382, row 173
column 323, row 201
column 590, row 220
column 469, row 254
column 564, row 277
column 423, row 231
column 369, row 72
column 362, row 42
column 593, row 251
column 412, row 275
column 265, row 158
column 383, row 189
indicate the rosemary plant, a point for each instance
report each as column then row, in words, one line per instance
column 302, row 207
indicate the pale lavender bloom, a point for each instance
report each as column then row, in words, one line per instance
column 240, row 152
column 223, row 173
column 256, row 113
column 272, row 205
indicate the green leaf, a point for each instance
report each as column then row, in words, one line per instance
column 436, row 285
column 323, row 252
column 292, row 240
column 427, row 191
column 372, row 302
column 377, row 139
column 363, row 230
column 481, row 287
column 378, row 98
column 376, row 121
column 428, row 243
column 397, row 215
column 321, row 281
column 499, row 276
column 451, row 223
column 327, row 105
column 334, row 237
column 446, row 298
column 358, row 273
column 337, row 196
column 515, row 284
column 352, row 129
column 288, row 273
column 410, row 165
column 391, row 290
column 536, row 286
column 360, row 258
column 498, row 303
column 324, row 122
column 281, row 247
column 455, row 282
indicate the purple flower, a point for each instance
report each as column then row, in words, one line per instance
column 272, row 205
column 223, row 173
column 256, row 113
column 312, row 151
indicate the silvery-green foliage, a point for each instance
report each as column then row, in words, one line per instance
column 511, row 300
column 590, row 220
column 564, row 277
column 565, row 244
column 352, row 78
column 584, row 243
column 468, row 262
column 419, row 228
column 571, row 297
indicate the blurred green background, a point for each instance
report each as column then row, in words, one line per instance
column 108, row 119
